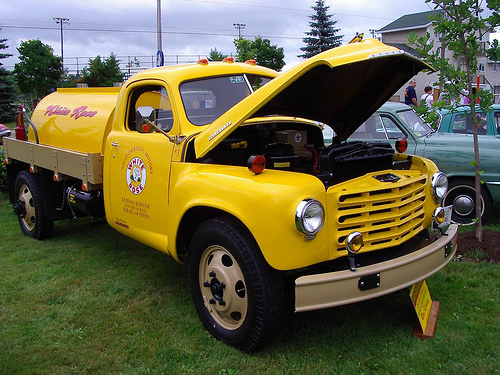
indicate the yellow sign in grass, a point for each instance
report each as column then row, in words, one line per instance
column 422, row 301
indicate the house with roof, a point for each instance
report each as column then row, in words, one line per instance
column 396, row 34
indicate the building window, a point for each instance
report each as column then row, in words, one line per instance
column 480, row 67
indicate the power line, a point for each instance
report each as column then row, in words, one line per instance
column 204, row 33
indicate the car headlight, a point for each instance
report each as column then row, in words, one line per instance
column 309, row 217
column 439, row 183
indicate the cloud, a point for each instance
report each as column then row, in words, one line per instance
column 190, row 27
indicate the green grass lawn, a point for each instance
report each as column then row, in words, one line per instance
column 91, row 301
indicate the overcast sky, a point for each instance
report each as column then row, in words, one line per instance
column 189, row 27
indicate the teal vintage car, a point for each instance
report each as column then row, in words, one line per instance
column 453, row 153
column 459, row 121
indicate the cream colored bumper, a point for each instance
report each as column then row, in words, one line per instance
column 313, row 292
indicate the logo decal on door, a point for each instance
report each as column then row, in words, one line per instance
column 136, row 175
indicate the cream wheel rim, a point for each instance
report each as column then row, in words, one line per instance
column 29, row 218
column 223, row 287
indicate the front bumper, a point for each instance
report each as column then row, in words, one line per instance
column 319, row 291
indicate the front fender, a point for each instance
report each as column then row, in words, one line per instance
column 264, row 203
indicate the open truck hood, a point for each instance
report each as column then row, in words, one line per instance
column 340, row 87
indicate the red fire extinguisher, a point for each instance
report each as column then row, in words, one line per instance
column 20, row 128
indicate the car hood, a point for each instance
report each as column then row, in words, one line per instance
column 340, row 87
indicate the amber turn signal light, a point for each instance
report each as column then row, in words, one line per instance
column 401, row 145
column 256, row 163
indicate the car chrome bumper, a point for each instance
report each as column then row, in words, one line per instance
column 319, row 291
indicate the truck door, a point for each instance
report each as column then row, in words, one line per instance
column 139, row 169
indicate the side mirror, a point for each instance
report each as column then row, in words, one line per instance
column 143, row 117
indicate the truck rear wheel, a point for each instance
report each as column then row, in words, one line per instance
column 30, row 209
column 238, row 296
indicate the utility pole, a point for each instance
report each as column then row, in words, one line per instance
column 159, row 53
column 239, row 26
column 61, row 21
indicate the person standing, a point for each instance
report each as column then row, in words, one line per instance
column 427, row 98
column 411, row 94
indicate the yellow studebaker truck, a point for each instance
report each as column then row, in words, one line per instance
column 224, row 166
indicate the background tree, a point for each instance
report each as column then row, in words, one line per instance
column 103, row 72
column 493, row 53
column 262, row 51
column 7, row 97
column 216, row 55
column 38, row 69
column 460, row 26
column 323, row 34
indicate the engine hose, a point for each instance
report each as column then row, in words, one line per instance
column 316, row 159
column 32, row 125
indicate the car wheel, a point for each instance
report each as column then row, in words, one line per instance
column 30, row 209
column 462, row 195
column 238, row 296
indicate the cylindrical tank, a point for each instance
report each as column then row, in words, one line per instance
column 75, row 118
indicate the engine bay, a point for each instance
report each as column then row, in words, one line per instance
column 299, row 147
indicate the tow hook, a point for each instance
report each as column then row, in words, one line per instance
column 19, row 208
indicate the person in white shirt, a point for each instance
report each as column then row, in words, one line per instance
column 427, row 97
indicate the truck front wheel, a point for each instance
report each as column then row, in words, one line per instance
column 238, row 296
column 29, row 207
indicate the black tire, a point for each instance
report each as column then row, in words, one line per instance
column 238, row 296
column 462, row 195
column 30, row 207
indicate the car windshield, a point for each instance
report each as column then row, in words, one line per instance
column 415, row 123
column 207, row 99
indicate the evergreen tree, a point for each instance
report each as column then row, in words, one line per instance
column 323, row 34
column 103, row 72
column 7, row 107
column 216, row 55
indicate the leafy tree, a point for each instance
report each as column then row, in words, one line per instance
column 216, row 55
column 103, row 72
column 7, row 107
column 323, row 34
column 38, row 70
column 459, row 25
column 262, row 51
column 493, row 53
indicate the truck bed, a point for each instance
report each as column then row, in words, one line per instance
column 64, row 163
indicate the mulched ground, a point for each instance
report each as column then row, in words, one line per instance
column 468, row 246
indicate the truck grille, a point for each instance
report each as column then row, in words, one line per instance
column 386, row 216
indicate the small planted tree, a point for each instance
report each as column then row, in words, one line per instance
column 460, row 25
column 323, row 34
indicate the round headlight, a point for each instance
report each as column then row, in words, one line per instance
column 309, row 217
column 439, row 184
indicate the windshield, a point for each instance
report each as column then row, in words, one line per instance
column 414, row 123
column 206, row 99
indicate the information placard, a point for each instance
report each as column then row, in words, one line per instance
column 422, row 301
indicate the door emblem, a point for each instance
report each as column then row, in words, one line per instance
column 136, row 175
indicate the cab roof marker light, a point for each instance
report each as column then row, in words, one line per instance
column 203, row 61
column 251, row 62
column 228, row 59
